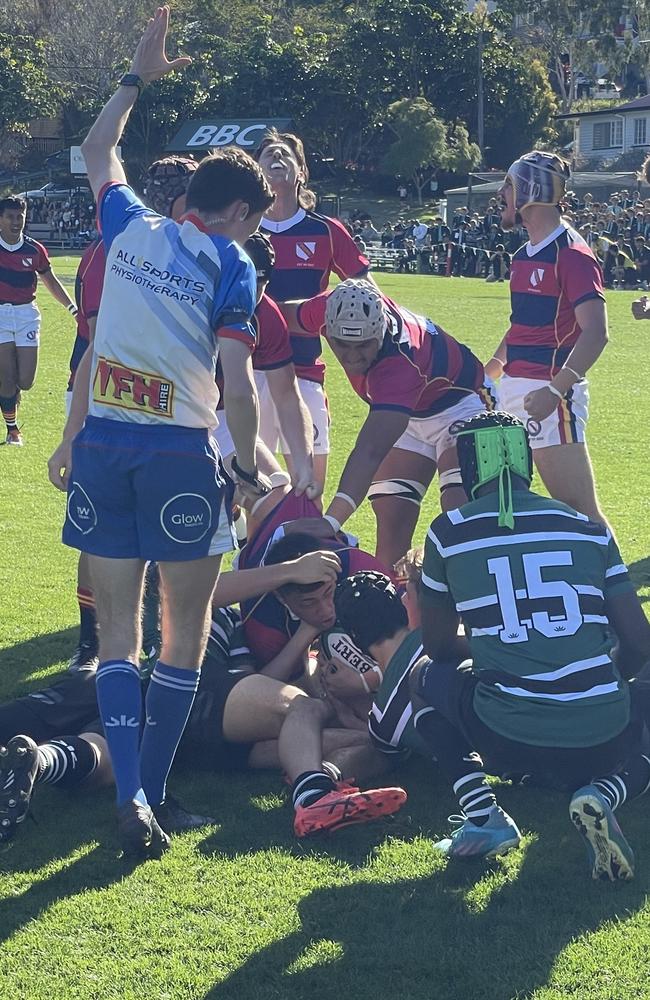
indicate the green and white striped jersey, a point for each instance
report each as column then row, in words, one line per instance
column 390, row 720
column 533, row 604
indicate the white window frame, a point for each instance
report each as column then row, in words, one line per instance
column 615, row 126
column 640, row 131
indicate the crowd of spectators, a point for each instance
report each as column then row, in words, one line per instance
column 70, row 222
column 472, row 244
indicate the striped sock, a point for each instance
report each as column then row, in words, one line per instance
column 309, row 787
column 119, row 696
column 66, row 762
column 87, row 616
column 629, row 784
column 475, row 797
column 168, row 704
column 9, row 407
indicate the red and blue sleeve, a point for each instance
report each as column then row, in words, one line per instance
column 348, row 261
column 579, row 275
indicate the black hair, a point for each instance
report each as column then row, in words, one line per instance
column 466, row 444
column 260, row 250
column 369, row 608
column 12, row 201
column 227, row 176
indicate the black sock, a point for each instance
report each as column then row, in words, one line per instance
column 9, row 407
column 628, row 784
column 66, row 762
column 87, row 618
column 309, row 787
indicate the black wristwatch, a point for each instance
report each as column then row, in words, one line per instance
column 249, row 477
column 132, row 80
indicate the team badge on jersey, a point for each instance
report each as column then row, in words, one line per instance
column 306, row 249
column 117, row 385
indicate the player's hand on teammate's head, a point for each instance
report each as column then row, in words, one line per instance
column 640, row 308
column 58, row 466
column 150, row 61
column 316, row 567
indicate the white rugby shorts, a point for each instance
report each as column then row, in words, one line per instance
column 20, row 325
column 315, row 400
column 431, row 436
column 566, row 425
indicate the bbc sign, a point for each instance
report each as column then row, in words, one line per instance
column 195, row 136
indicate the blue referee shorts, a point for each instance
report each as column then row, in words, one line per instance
column 139, row 491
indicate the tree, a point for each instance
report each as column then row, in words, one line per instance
column 424, row 144
column 24, row 92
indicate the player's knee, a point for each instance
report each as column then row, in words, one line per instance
column 25, row 382
column 311, row 711
column 403, row 489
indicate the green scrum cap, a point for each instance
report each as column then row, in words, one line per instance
column 500, row 452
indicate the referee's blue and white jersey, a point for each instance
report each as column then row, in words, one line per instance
column 171, row 292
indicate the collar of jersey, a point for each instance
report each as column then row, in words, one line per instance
column 532, row 249
column 194, row 219
column 11, row 246
column 284, row 224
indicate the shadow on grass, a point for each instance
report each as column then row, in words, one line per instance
column 39, row 653
column 64, row 831
column 640, row 575
column 461, row 931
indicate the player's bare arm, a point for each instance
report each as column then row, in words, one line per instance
column 149, row 63
column 56, row 289
column 440, row 636
column 592, row 319
column 243, row 584
column 379, row 433
column 633, row 630
column 494, row 367
column 59, row 464
column 296, row 424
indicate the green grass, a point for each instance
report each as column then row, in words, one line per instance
column 243, row 911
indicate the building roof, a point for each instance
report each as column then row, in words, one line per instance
column 629, row 107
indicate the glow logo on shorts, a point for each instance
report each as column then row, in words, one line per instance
column 81, row 511
column 118, row 385
column 186, row 518
column 533, row 427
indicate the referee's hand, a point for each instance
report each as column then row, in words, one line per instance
column 58, row 466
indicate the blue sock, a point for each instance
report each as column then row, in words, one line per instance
column 168, row 704
column 119, row 696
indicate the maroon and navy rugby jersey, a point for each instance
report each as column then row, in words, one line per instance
column 420, row 369
column 547, row 282
column 19, row 267
column 308, row 247
column 88, row 286
column 272, row 344
column 268, row 624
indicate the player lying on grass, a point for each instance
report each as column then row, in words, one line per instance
column 538, row 587
column 417, row 381
column 240, row 719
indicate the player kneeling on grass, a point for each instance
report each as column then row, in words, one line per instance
column 537, row 586
column 417, row 381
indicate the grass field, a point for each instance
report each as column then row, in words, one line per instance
column 242, row 911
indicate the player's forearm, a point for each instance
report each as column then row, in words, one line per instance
column 590, row 345
column 80, row 394
column 358, row 474
column 56, row 289
column 241, row 407
column 494, row 367
column 245, row 584
column 295, row 423
column 290, row 660
column 109, row 125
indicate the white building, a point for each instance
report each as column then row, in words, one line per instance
column 607, row 134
